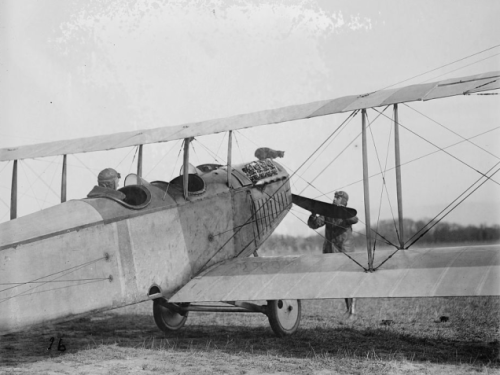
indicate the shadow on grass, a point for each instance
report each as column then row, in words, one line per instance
column 248, row 336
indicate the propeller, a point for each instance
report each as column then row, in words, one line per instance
column 324, row 209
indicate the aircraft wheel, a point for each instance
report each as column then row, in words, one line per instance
column 284, row 316
column 166, row 319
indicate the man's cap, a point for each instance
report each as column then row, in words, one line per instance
column 108, row 174
column 343, row 195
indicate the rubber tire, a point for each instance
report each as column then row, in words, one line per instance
column 284, row 316
column 166, row 319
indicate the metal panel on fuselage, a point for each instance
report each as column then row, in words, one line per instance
column 59, row 276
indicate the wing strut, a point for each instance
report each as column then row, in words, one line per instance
column 13, row 193
column 139, row 162
column 185, row 172
column 398, row 177
column 366, row 185
column 64, row 179
column 229, row 154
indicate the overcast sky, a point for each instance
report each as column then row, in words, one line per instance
column 73, row 69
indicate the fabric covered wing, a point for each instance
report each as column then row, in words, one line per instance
column 459, row 271
column 425, row 91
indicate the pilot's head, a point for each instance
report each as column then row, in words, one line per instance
column 108, row 178
column 340, row 198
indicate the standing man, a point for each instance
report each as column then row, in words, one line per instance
column 338, row 234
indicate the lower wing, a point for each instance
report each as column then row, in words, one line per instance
column 457, row 271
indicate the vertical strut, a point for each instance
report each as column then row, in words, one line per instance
column 13, row 192
column 366, row 185
column 185, row 172
column 139, row 162
column 398, row 177
column 63, row 180
column 229, row 154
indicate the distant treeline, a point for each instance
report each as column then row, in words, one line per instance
column 440, row 235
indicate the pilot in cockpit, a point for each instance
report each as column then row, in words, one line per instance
column 108, row 178
column 107, row 181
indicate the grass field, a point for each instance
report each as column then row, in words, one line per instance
column 126, row 341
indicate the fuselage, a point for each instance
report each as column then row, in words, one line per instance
column 99, row 253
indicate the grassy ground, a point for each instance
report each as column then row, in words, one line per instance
column 414, row 341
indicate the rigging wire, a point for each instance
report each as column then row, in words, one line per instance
column 66, row 287
column 238, row 144
column 440, row 67
column 450, row 130
column 38, row 177
column 31, row 186
column 163, row 157
column 309, row 183
column 384, row 185
column 345, row 123
column 220, row 145
column 324, row 237
column 174, row 168
column 86, row 167
column 211, row 153
column 343, row 150
column 51, row 181
column 284, row 183
column 391, row 255
column 292, row 181
column 64, row 273
column 5, row 166
column 131, row 149
column 442, row 149
column 444, row 209
column 463, row 67
column 416, row 159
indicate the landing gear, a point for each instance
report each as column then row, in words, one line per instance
column 284, row 316
column 166, row 318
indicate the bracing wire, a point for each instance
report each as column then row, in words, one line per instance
column 220, row 145
column 384, row 185
column 284, row 184
column 211, row 153
column 51, row 181
column 440, row 67
column 5, row 166
column 62, row 273
column 324, row 238
column 310, row 183
column 413, row 160
column 341, row 152
column 87, row 168
column 328, row 145
column 462, row 67
column 286, row 166
column 31, row 186
column 39, row 177
column 163, row 157
column 453, row 202
column 407, row 247
column 442, row 149
column 450, row 130
column 238, row 144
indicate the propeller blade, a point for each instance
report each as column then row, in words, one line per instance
column 324, row 209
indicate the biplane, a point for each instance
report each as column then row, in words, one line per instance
column 189, row 241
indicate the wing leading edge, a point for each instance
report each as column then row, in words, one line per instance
column 427, row 91
column 460, row 271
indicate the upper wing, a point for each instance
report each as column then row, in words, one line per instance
column 460, row 271
column 426, row 91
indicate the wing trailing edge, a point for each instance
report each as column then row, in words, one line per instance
column 426, row 91
column 460, row 271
